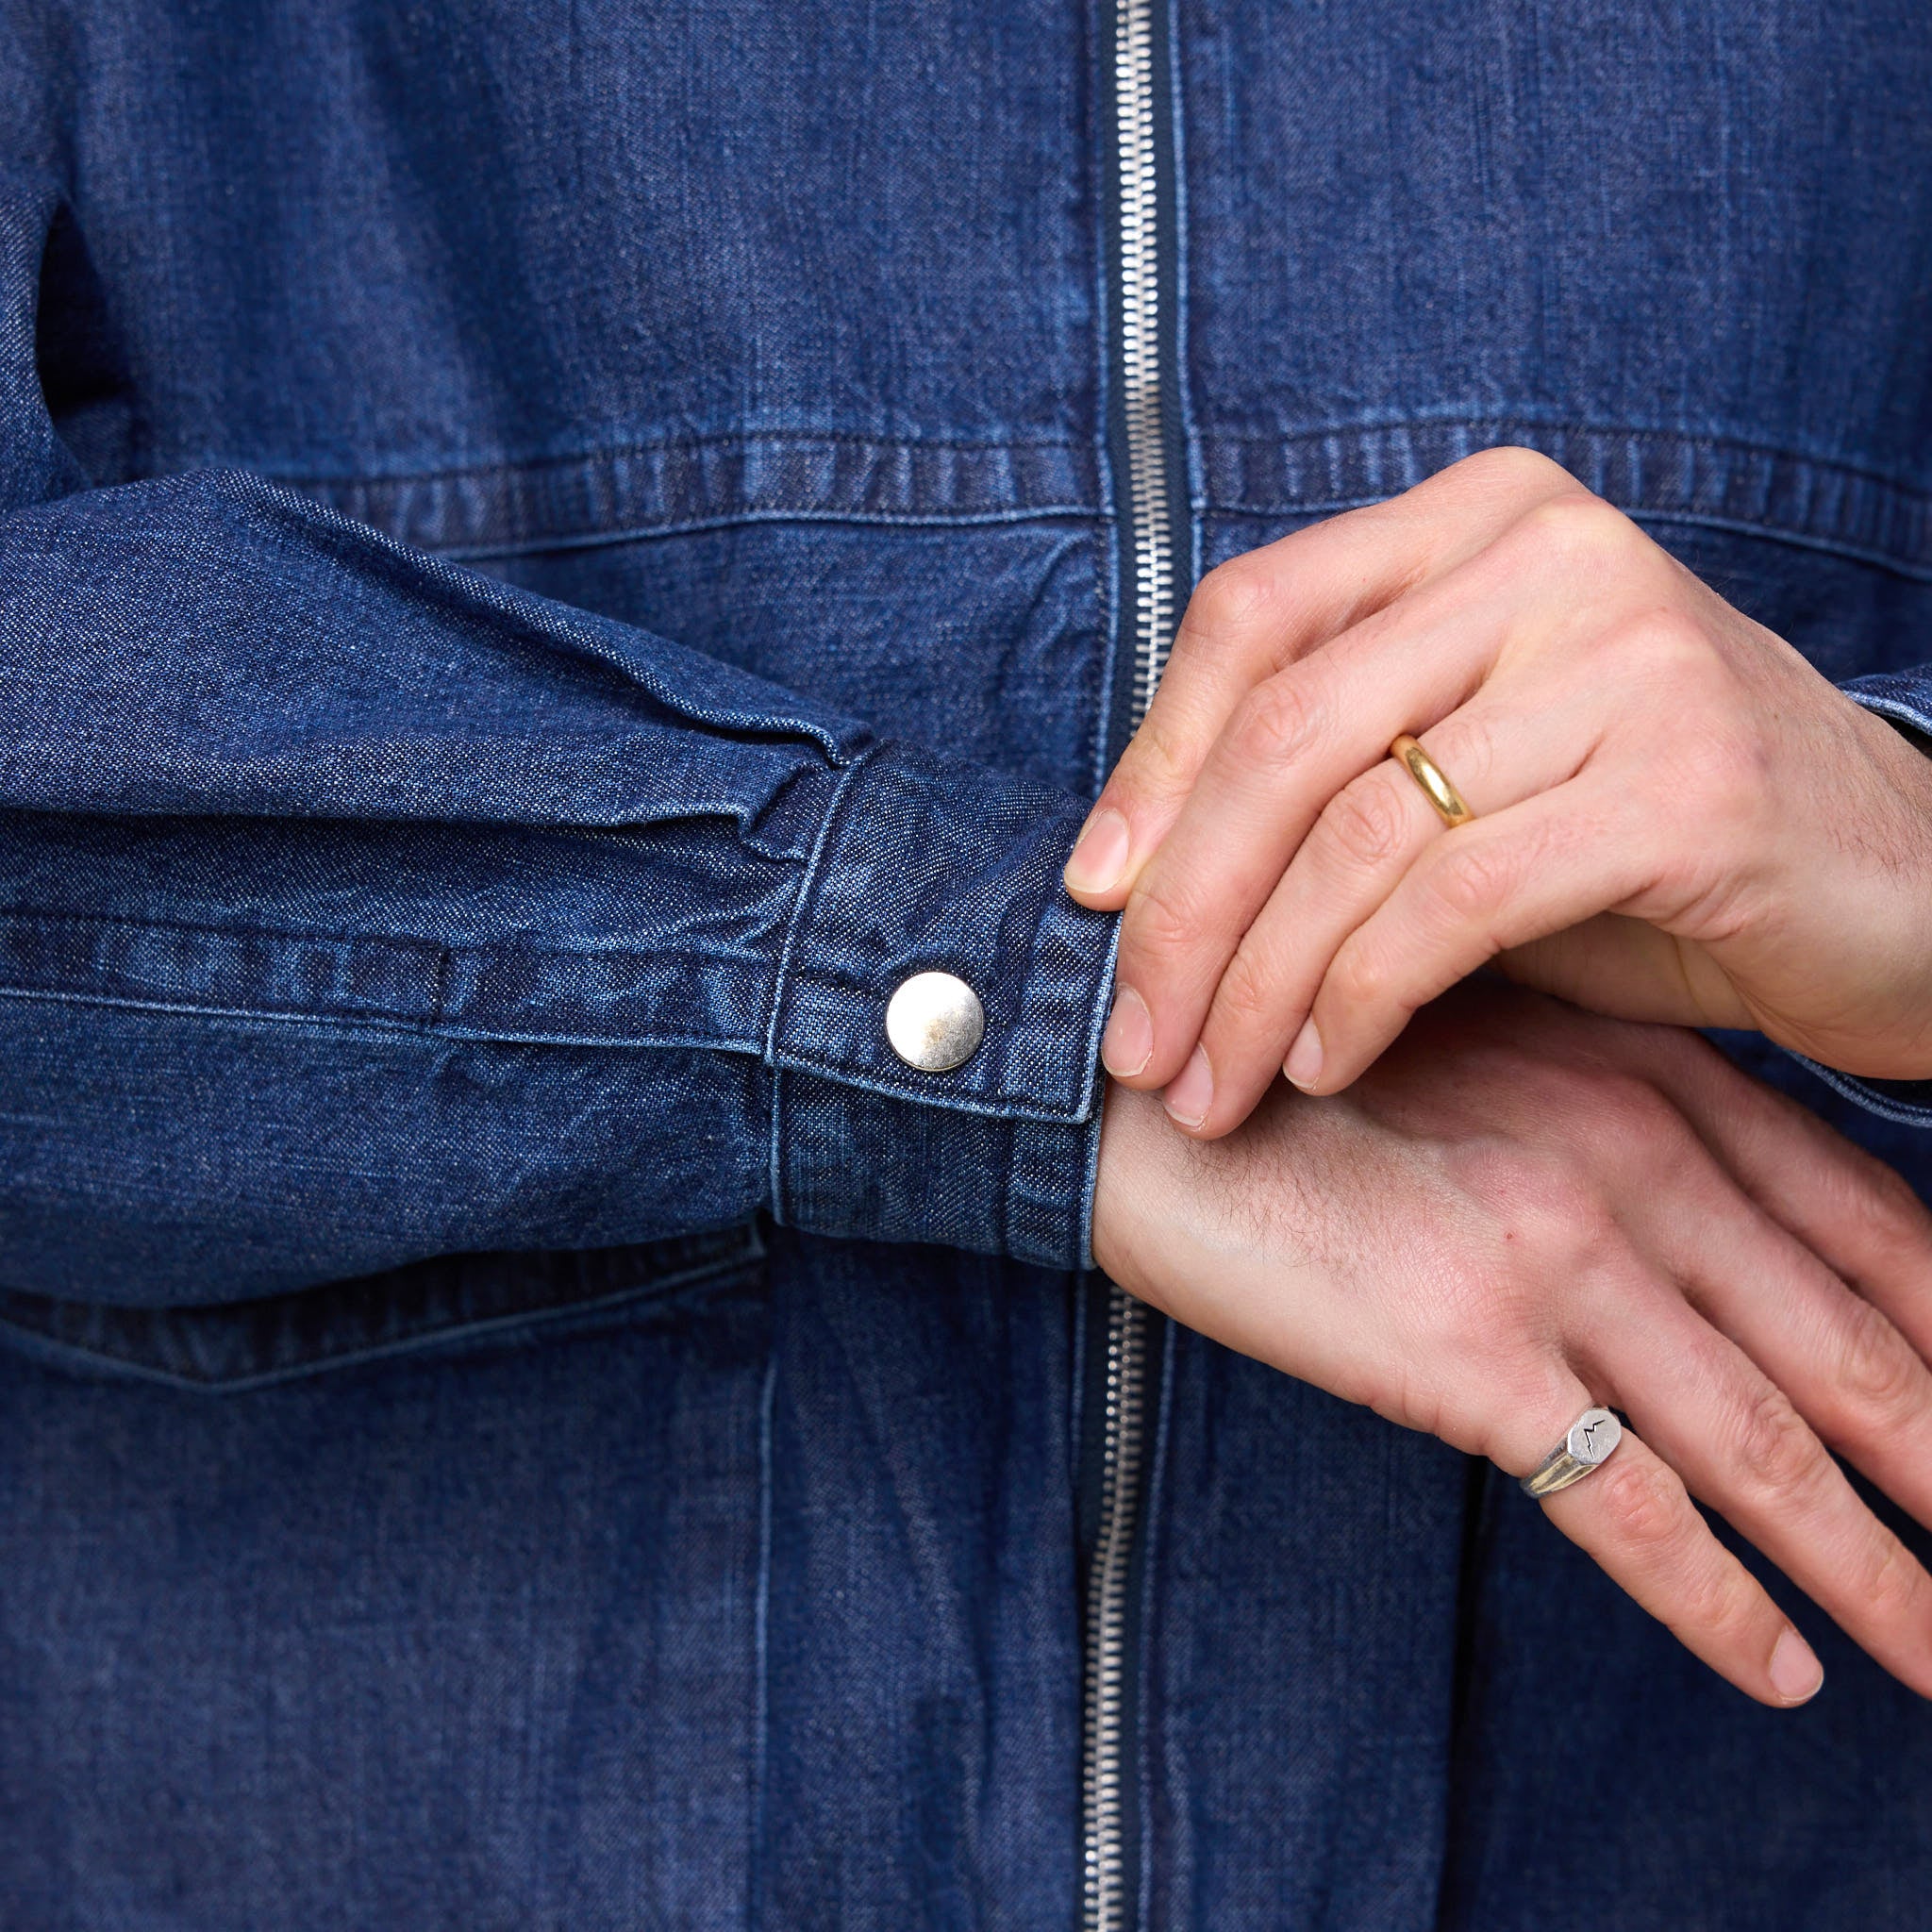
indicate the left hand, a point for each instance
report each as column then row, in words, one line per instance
column 1677, row 817
column 1522, row 1211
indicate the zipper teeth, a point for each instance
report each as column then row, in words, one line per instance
column 1104, row 1876
column 1104, row 1851
column 1141, row 347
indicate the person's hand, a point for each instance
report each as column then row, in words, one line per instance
column 1522, row 1211
column 1713, row 834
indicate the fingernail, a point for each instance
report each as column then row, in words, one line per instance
column 1100, row 853
column 1127, row 1045
column 1796, row 1672
column 1304, row 1065
column 1191, row 1091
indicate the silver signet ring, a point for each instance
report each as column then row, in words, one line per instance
column 1593, row 1437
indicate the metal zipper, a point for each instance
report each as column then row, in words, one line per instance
column 1139, row 335
column 1123, row 1456
column 1107, row 1838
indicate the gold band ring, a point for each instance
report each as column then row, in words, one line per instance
column 1429, row 775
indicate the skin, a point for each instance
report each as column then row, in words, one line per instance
column 1677, row 818
column 1522, row 1211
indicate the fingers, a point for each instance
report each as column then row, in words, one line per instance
column 1635, row 1518
column 1367, row 837
column 1736, row 1382
column 1293, row 744
column 1742, row 1446
column 1563, row 855
column 1744, row 1378
column 1853, row 1377
column 1860, row 1216
column 1260, row 613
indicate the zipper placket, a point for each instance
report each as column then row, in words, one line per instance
column 1147, row 573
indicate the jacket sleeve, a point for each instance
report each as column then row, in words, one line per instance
column 355, row 907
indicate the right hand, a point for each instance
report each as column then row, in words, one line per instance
column 1522, row 1211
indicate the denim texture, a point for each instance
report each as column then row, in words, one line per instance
column 550, row 557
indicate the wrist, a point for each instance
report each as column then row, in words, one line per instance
column 1128, row 1185
column 1158, row 1196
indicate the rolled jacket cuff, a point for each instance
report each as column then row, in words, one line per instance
column 923, row 866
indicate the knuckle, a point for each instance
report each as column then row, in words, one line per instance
column 1365, row 824
column 1469, row 742
column 1645, row 1502
column 1510, row 466
column 1571, row 1219
column 1894, row 1199
column 1575, row 527
column 1359, row 978
column 1718, row 1597
column 1548, row 1208
column 1163, row 918
column 1894, row 1215
column 1633, row 1120
column 1276, row 724
column 1474, row 882
column 1877, row 1367
column 1774, row 1445
column 1247, row 998
column 1563, row 1191
column 1665, row 641
column 1230, row 600
column 1157, row 760
column 1482, row 1322
column 1888, row 1585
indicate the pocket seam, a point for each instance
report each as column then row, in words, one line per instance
column 743, row 1256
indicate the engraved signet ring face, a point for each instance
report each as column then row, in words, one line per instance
column 1592, row 1438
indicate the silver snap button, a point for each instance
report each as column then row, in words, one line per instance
column 934, row 1022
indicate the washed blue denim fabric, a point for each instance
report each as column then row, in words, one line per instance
column 549, row 559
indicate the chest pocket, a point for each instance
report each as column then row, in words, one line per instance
column 452, row 1302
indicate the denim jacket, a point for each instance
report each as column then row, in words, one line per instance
column 549, row 559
